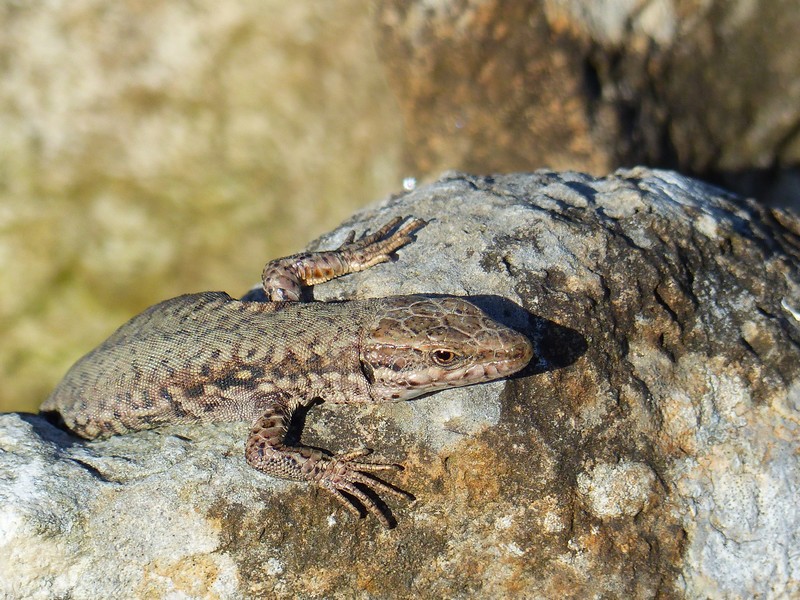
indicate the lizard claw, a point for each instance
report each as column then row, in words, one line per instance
column 345, row 477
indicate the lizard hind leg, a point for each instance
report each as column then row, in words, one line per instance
column 343, row 476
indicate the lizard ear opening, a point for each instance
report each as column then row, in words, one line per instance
column 368, row 372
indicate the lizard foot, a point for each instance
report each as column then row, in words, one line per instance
column 346, row 477
column 373, row 248
column 284, row 279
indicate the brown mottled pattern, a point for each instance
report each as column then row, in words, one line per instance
column 207, row 357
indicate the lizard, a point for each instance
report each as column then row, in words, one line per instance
column 208, row 357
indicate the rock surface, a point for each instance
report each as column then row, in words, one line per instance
column 710, row 88
column 651, row 449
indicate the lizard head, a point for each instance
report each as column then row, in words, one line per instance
column 419, row 345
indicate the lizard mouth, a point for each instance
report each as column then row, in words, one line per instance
column 501, row 364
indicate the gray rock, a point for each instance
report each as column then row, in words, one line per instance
column 651, row 449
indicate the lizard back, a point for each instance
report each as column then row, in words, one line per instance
column 204, row 357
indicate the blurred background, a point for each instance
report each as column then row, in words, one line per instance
column 153, row 149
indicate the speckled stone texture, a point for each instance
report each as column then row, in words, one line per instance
column 650, row 451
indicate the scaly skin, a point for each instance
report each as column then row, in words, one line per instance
column 207, row 357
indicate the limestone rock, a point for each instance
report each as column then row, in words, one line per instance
column 710, row 88
column 650, row 450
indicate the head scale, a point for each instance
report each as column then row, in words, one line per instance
column 419, row 345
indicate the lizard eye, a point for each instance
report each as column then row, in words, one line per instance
column 443, row 358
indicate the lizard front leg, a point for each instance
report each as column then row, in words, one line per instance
column 284, row 278
column 267, row 451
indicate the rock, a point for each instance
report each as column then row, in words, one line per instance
column 709, row 88
column 137, row 137
column 651, row 449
